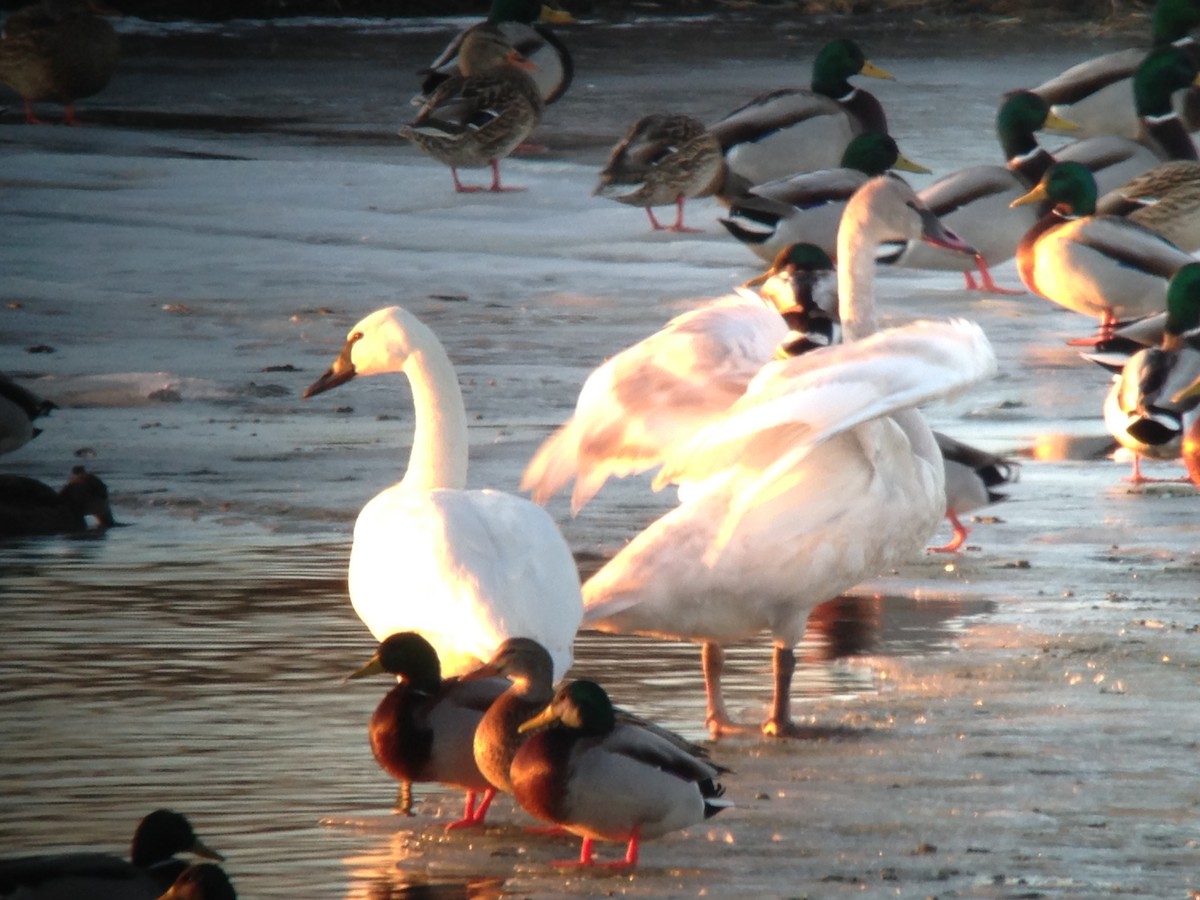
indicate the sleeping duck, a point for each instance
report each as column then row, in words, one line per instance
column 664, row 159
column 524, row 23
column 1096, row 94
column 606, row 780
column 479, row 117
column 423, row 729
column 1165, row 199
column 30, row 507
column 790, row 130
column 57, row 51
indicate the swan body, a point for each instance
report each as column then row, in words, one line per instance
column 1097, row 94
column 151, row 869
column 57, row 51
column 790, row 130
column 19, row 408
column 466, row 569
column 819, row 476
column 609, row 780
column 525, row 24
column 479, row 117
column 664, row 159
column 424, row 728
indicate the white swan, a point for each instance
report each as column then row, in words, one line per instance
column 821, row 475
column 467, row 569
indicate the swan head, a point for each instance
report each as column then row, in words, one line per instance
column 382, row 342
column 888, row 213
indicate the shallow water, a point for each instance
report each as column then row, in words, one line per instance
column 1018, row 720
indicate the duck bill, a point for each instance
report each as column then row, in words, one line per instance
column 904, row 164
column 1037, row 195
column 1054, row 120
column 873, row 71
column 373, row 666
column 201, row 849
column 547, row 716
column 340, row 372
column 934, row 233
column 555, row 16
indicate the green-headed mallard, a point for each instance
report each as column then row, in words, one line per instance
column 664, row 159
column 423, row 730
column 1143, row 409
column 524, row 23
column 201, row 881
column 465, row 568
column 19, row 407
column 607, row 780
column 57, row 51
column 1096, row 94
column 151, row 869
column 1102, row 266
column 806, row 208
column 790, row 130
column 820, row 475
column 479, row 117
column 29, row 507
column 975, row 202
column 1165, row 199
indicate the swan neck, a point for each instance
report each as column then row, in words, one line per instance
column 856, row 282
column 439, row 451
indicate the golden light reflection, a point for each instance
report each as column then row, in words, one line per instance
column 395, row 869
column 1059, row 447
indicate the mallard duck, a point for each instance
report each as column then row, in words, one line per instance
column 19, row 407
column 1114, row 160
column 464, row 568
column 1097, row 94
column 801, row 285
column 1166, row 199
column 30, row 507
column 605, row 780
column 790, row 130
column 972, row 476
column 975, row 201
column 424, row 728
column 151, row 869
column 1102, row 266
column 664, row 159
column 57, row 51
column 1143, row 409
column 521, row 22
column 820, row 475
column 201, row 881
column 806, row 208
column 479, row 117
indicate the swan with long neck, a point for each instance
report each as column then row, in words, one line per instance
column 467, row 569
column 821, row 475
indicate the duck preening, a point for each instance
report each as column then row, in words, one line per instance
column 30, row 507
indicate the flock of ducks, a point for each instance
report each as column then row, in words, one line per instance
column 784, row 417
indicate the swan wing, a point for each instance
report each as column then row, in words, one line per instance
column 642, row 403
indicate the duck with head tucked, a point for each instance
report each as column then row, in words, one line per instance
column 423, row 729
column 151, row 869
column 790, row 130
column 480, row 116
column 525, row 24
column 606, row 780
column 30, row 507
column 57, row 51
